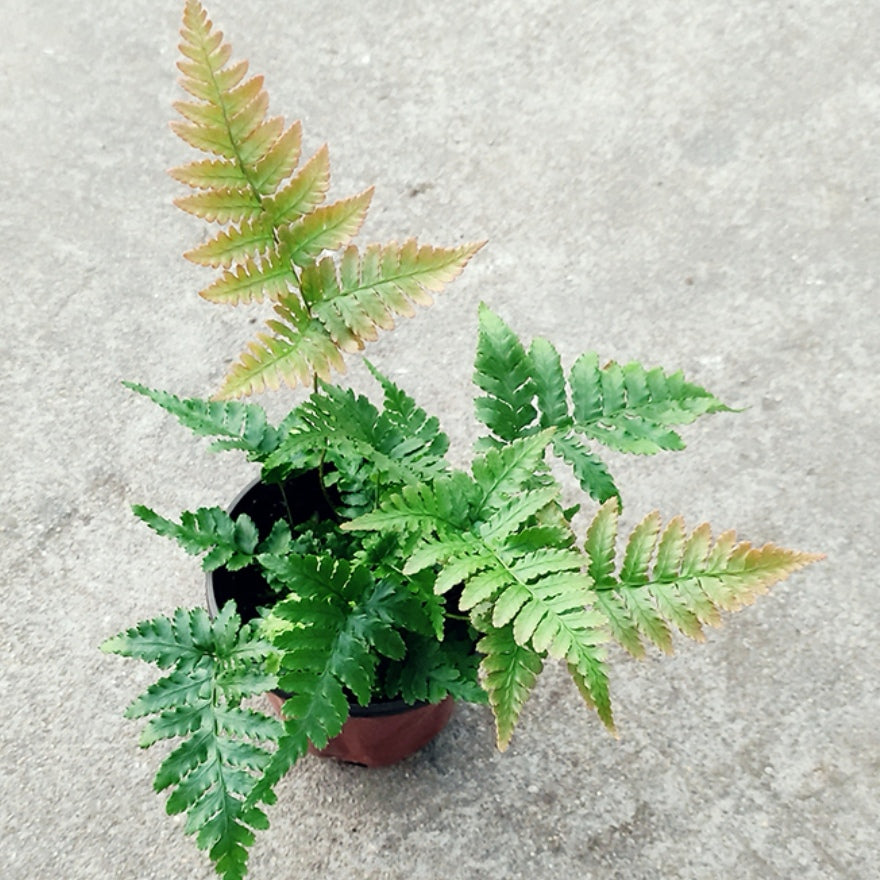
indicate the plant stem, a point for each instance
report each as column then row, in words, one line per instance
column 284, row 498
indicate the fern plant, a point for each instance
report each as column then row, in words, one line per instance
column 409, row 579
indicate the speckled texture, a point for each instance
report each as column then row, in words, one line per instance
column 693, row 184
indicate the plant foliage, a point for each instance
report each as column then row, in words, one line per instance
column 670, row 578
column 408, row 578
column 214, row 666
column 278, row 239
column 626, row 408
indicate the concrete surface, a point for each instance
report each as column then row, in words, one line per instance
column 693, row 184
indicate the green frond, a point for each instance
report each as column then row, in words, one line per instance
column 211, row 532
column 509, row 672
column 601, row 542
column 416, row 428
column 340, row 615
column 236, row 425
column 516, row 512
column 366, row 450
column 340, row 621
column 527, row 392
column 433, row 670
column 213, row 770
column 632, row 409
column 681, row 580
column 179, row 689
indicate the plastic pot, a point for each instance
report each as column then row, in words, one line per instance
column 375, row 735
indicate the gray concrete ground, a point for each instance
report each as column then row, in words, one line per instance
column 694, row 184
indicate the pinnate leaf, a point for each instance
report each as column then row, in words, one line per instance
column 683, row 580
column 212, row 771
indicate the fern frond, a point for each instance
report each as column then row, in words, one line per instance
column 209, row 531
column 238, row 425
column 682, row 580
column 433, row 670
column 626, row 408
column 277, row 230
column 419, row 432
column 340, row 621
column 213, row 770
column 443, row 505
column 527, row 392
column 367, row 451
column 544, row 596
column 631, row 409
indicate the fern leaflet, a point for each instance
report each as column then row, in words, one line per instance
column 238, row 425
column 210, row 531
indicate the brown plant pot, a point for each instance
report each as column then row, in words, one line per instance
column 382, row 733
column 375, row 735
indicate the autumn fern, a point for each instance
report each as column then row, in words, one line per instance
column 669, row 578
column 212, row 771
column 277, row 238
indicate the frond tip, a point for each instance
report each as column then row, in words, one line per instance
column 669, row 577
